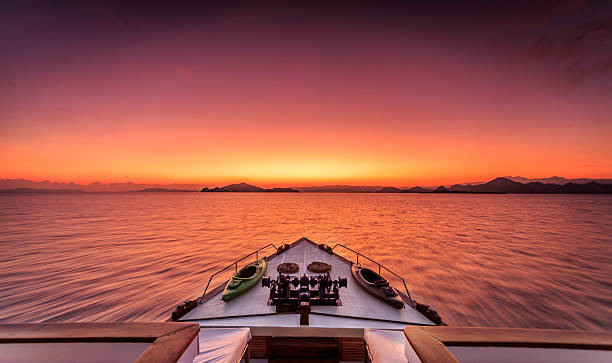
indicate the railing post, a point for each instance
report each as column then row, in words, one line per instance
column 257, row 256
column 358, row 258
column 379, row 269
column 408, row 292
column 236, row 266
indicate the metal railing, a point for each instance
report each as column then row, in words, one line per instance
column 235, row 265
column 380, row 266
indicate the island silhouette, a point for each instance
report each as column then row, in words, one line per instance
column 504, row 185
column 244, row 187
column 501, row 185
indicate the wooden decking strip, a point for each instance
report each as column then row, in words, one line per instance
column 511, row 337
column 430, row 343
column 168, row 340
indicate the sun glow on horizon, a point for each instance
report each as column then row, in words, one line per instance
column 256, row 99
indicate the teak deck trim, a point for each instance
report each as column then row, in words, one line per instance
column 168, row 340
column 430, row 343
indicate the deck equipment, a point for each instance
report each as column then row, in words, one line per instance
column 286, row 293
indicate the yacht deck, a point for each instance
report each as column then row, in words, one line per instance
column 358, row 310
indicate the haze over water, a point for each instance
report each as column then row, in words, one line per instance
column 481, row 260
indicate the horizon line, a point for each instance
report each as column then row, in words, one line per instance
column 195, row 187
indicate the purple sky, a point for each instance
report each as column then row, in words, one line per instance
column 272, row 93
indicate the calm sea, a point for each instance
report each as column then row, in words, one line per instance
column 540, row 261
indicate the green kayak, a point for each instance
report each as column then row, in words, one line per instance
column 244, row 279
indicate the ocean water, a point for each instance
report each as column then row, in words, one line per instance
column 541, row 261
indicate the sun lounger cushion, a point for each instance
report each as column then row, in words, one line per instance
column 389, row 346
column 222, row 345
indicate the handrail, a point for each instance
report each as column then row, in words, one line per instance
column 235, row 263
column 379, row 267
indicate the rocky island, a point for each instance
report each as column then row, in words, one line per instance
column 247, row 188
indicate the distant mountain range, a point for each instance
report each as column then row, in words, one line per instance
column 557, row 180
column 35, row 190
column 244, row 187
column 517, row 184
column 505, row 185
column 20, row 185
column 508, row 186
column 147, row 190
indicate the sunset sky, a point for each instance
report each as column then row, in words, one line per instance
column 287, row 95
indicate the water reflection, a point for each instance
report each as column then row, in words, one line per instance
column 484, row 260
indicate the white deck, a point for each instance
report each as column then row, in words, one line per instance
column 359, row 309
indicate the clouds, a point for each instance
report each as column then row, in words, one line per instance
column 582, row 51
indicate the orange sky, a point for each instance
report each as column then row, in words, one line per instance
column 218, row 102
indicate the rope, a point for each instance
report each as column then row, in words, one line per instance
column 319, row 267
column 288, row 268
